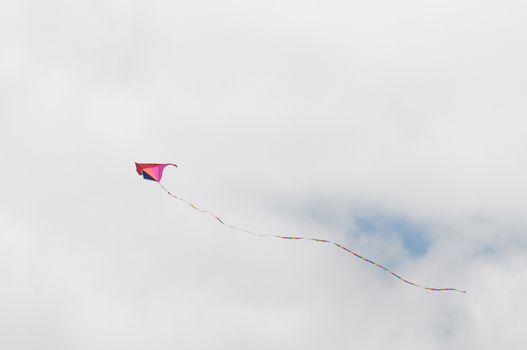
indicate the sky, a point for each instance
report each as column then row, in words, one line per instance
column 395, row 128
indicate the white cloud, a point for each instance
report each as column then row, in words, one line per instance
column 412, row 108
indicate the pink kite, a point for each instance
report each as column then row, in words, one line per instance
column 155, row 171
column 151, row 171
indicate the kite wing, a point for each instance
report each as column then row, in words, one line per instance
column 151, row 171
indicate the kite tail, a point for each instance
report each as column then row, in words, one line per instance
column 309, row 239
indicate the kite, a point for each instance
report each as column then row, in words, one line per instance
column 154, row 172
column 151, row 171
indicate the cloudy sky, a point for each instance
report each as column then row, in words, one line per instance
column 395, row 128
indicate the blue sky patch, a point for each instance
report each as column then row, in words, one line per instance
column 409, row 234
column 375, row 223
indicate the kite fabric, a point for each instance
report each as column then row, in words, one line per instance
column 151, row 171
column 154, row 172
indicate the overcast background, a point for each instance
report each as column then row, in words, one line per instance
column 395, row 128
